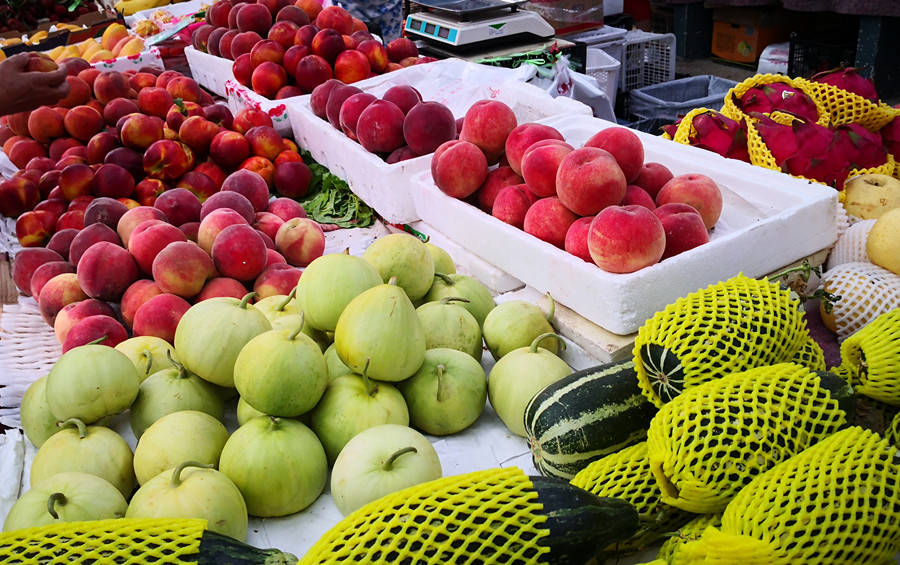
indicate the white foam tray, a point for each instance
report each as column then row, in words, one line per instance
column 208, row 70
column 455, row 83
column 769, row 220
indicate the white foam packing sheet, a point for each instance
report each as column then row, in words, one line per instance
column 455, row 83
column 769, row 220
column 209, row 71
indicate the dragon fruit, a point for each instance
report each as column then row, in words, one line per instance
column 720, row 134
column 671, row 128
column 849, row 79
column 780, row 139
column 890, row 137
column 862, row 148
column 779, row 96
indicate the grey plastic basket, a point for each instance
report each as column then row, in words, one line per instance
column 670, row 100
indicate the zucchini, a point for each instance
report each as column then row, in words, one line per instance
column 481, row 518
column 585, row 416
column 132, row 541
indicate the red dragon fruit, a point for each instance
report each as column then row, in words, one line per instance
column 862, row 148
column 849, row 79
column 890, row 137
column 768, row 98
column 671, row 128
column 720, row 134
column 780, row 139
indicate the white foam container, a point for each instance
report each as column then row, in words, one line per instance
column 769, row 220
column 147, row 58
column 209, row 71
column 240, row 97
column 455, row 83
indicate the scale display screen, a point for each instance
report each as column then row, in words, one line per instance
column 435, row 30
column 429, row 29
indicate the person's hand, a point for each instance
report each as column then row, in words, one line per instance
column 21, row 90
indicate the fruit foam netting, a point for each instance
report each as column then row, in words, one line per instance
column 626, row 475
column 851, row 247
column 730, row 108
column 848, row 107
column 836, row 502
column 120, row 541
column 687, row 533
column 686, row 130
column 892, row 433
column 866, row 290
column 727, row 327
column 484, row 517
column 711, row 441
column 871, row 358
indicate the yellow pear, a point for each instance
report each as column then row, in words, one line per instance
column 883, row 243
column 870, row 196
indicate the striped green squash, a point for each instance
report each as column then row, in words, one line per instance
column 585, row 416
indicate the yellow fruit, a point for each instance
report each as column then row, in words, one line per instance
column 870, row 196
column 88, row 44
column 883, row 243
column 112, row 35
column 134, row 46
column 38, row 36
column 101, row 55
column 69, row 51
column 2, row 55
column 56, row 52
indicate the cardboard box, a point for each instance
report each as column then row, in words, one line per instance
column 92, row 23
column 741, row 34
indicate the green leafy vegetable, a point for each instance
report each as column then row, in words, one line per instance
column 330, row 200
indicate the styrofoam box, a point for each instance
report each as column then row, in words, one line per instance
column 455, row 83
column 147, row 58
column 769, row 220
column 208, row 70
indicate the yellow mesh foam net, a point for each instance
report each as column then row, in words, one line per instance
column 871, row 358
column 119, row 541
column 836, row 502
column 687, row 533
column 686, row 129
column 848, row 107
column 892, row 433
column 708, row 443
column 626, row 475
column 725, row 328
column 730, row 109
column 488, row 516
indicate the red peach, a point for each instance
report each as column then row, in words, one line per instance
column 285, row 208
column 239, row 252
column 135, row 296
column 637, row 195
column 99, row 146
column 141, row 80
column 117, row 108
column 217, row 14
column 35, row 227
column 625, row 147
column 522, row 137
column 380, row 128
column 80, row 202
column 351, row 66
column 139, row 131
column 199, row 39
column 548, row 220
column 311, row 7
column 401, row 154
column 288, row 91
column 305, row 35
column 243, row 43
column 146, row 244
column 249, row 118
column 624, row 239
column 242, row 69
column 229, row 148
column 61, row 241
column 165, row 160
column 190, row 230
column 159, row 316
column 197, row 133
column 184, row 88
column 287, row 156
column 512, row 203
column 24, row 151
column 300, row 240
column 292, row 56
column 71, row 160
column 133, row 218
column 76, row 180
column 182, row 268
column 318, row 100
column 92, row 329
column 106, row 270
column 336, row 18
column 264, row 141
column 404, row 96
column 231, row 200
column 79, row 93
column 109, row 85
column 459, row 168
column 274, row 5
column 113, row 181
column 200, row 185
column 232, row 14
column 254, row 17
column 401, row 48
column 44, row 124
column 684, row 228
column 699, row 191
column 89, row 236
column 105, row 210
column 72, row 219
column 487, row 124
column 293, row 14
column 17, row 195
column 292, row 179
column 312, row 71
column 327, row 43
column 214, row 223
column 589, row 180
column 250, row 185
column 276, row 279
column 48, row 182
column 496, row 181
column 225, row 43
column 45, row 272
column 268, row 223
column 270, row 243
column 148, row 190
column 179, row 205
column 59, row 291
column 74, row 65
column 73, row 313
column 221, row 286
column 218, row 114
column 155, row 101
column 213, row 171
column 261, row 166
column 266, row 50
column 336, row 99
column 576, row 241
column 428, row 125
column 376, row 53
column 212, row 43
column 352, row 107
column 540, row 165
column 274, row 258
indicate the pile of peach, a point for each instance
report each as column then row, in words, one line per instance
column 398, row 126
column 599, row 202
column 155, row 268
column 304, row 45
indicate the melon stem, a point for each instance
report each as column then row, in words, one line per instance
column 389, row 464
column 542, row 337
column 246, row 300
column 552, row 308
column 182, row 371
column 176, row 474
column 77, row 424
column 274, row 422
column 299, row 329
column 448, row 280
column 440, row 369
column 370, row 388
column 287, row 300
column 392, row 281
column 149, row 358
column 449, row 299
column 55, row 498
column 98, row 340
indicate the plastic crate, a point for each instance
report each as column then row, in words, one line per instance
column 605, row 69
column 670, row 100
column 604, row 34
column 808, row 57
column 649, row 59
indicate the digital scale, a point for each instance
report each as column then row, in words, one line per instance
column 469, row 24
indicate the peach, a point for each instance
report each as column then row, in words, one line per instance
column 79, row 93
column 239, row 252
column 184, row 88
column 117, row 108
column 18, row 123
column 287, row 156
column 109, row 85
column 212, row 43
column 221, row 286
column 300, row 241
column 7, row 145
column 135, row 217
column 404, row 96
column 637, row 195
column 625, row 147
column 268, row 223
column 218, row 114
column 17, row 195
column 305, row 35
column 71, row 219
column 113, row 181
column 249, row 118
column 60, row 242
column 89, row 236
column 106, row 270
column 352, row 66
column 336, row 18
column 589, row 180
column 274, row 5
column 401, row 154
column 80, row 202
column 684, row 228
column 59, row 291
column 311, row 7
column 179, row 205
column 200, row 37
column 352, row 107
column 401, row 48
column 165, row 160
column 139, row 131
column 427, row 126
column 39, row 62
column 293, row 14
column 328, row 43
column 232, row 14
column 496, row 181
column 576, row 241
column 48, row 182
column 105, row 210
column 265, row 141
column 70, row 160
column 285, row 208
column 261, row 166
column 229, row 148
column 100, row 329
column 254, row 17
column 459, row 168
column 24, row 151
column 155, row 101
column 190, row 230
column 148, row 190
column 243, row 43
column 624, row 239
column 140, row 80
column 213, row 224
column 380, row 128
column 376, row 53
column 89, row 76
column 217, row 14
column 213, row 171
column 225, row 43
column 200, row 185
column 99, row 145
column 522, row 137
column 283, row 32
column 288, row 91
column 292, row 179
column 146, row 244
column 249, row 185
column 77, row 311
column 44, row 124
column 159, row 316
column 130, row 202
column 266, row 50
column 76, row 180
column 35, row 227
column 270, row 243
column 312, row 71
column 487, row 124
column 336, row 99
column 182, row 268
column 697, row 190
column 540, row 165
column 512, row 204
column 276, row 279
column 45, row 272
column 242, row 69
column 274, row 258
column 197, row 133
column 136, row 295
column 230, row 200
column 128, row 159
column 292, row 56
column 74, row 65
column 548, row 220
